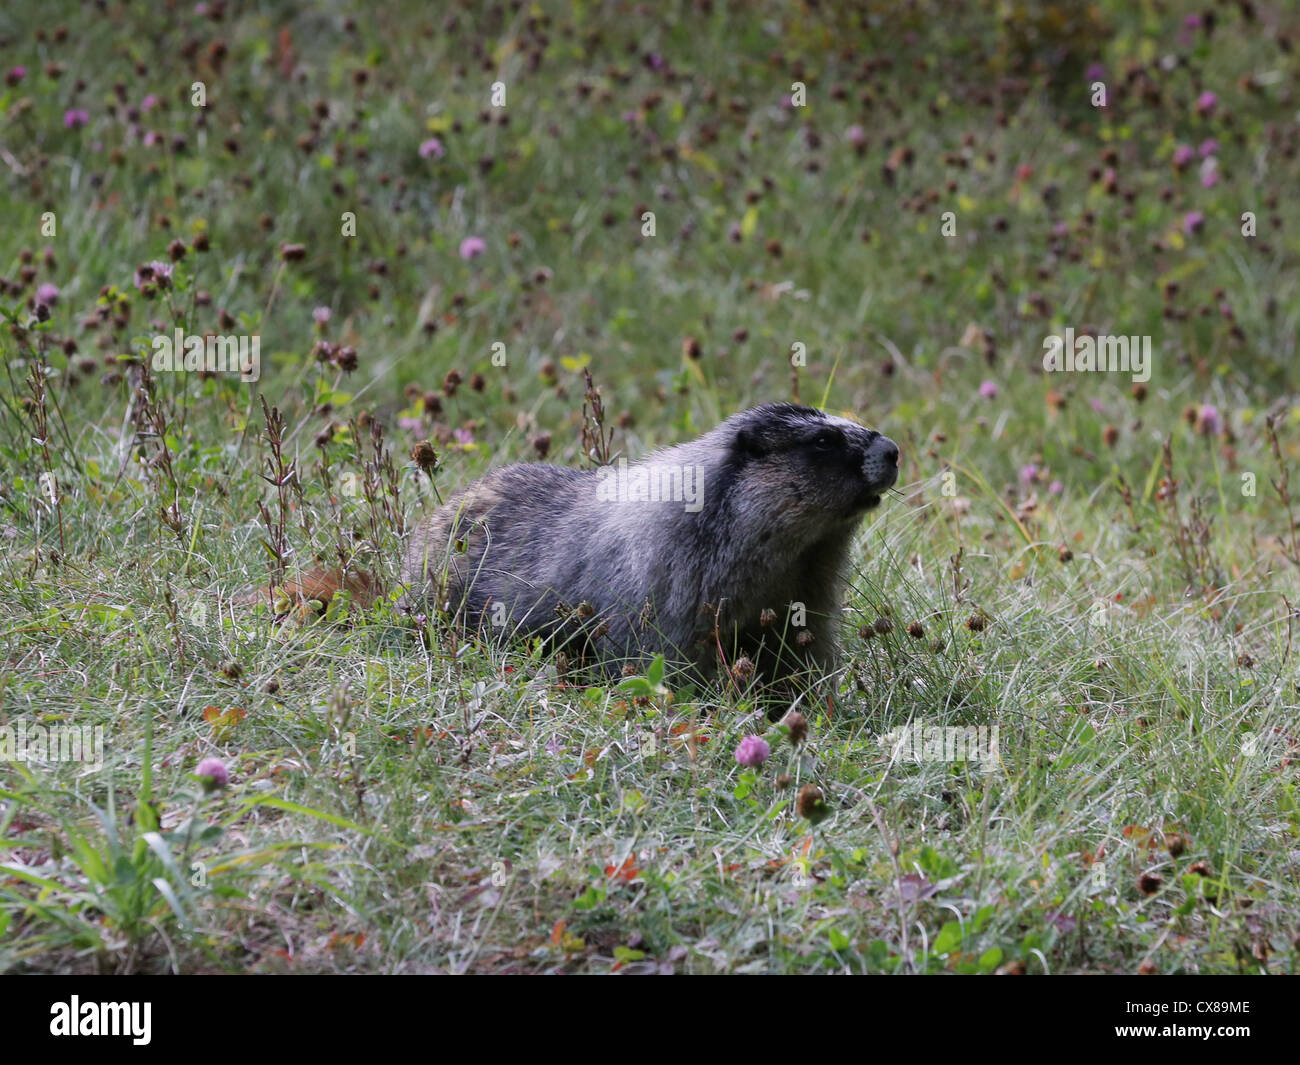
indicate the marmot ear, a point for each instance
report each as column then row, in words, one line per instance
column 749, row 444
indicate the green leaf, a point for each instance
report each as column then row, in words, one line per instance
column 295, row 808
column 655, row 674
column 31, row 878
column 878, row 953
column 159, row 846
column 165, row 890
column 775, row 812
column 590, row 899
column 935, row 865
column 124, row 871
column 949, row 938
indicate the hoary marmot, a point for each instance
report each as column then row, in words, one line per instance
column 726, row 552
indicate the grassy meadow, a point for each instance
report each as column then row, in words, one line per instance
column 438, row 220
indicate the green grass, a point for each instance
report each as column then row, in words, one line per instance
column 1106, row 577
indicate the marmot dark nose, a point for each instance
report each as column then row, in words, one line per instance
column 881, row 464
column 883, row 453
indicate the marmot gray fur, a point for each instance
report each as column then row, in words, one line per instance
column 728, row 548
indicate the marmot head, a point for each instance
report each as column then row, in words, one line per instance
column 811, row 472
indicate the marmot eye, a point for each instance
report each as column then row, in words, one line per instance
column 824, row 442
